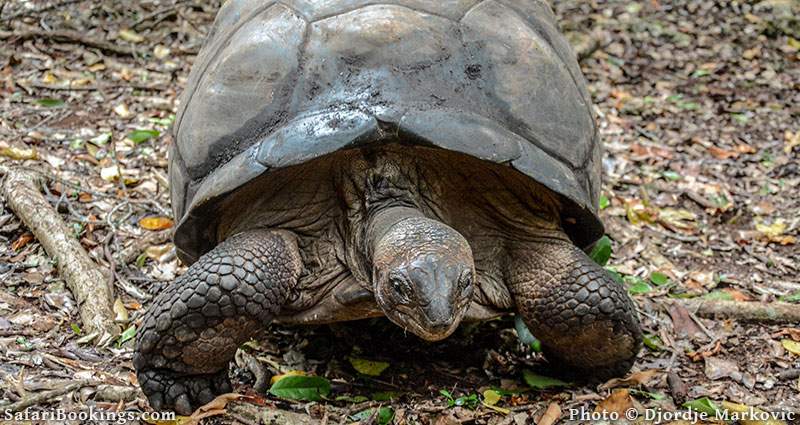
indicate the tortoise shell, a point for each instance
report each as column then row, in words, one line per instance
column 281, row 83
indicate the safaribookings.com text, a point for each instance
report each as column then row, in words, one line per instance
column 90, row 415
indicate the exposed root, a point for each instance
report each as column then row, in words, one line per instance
column 84, row 278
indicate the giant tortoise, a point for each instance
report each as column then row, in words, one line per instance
column 427, row 161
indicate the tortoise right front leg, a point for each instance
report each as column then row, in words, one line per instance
column 193, row 328
column 585, row 320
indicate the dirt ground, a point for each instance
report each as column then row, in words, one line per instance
column 699, row 107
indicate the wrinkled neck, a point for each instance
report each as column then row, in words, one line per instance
column 382, row 221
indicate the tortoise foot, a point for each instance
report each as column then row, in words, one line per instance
column 166, row 389
column 585, row 319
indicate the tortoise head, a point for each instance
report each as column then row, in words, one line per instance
column 423, row 276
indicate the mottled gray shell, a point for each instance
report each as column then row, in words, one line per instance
column 280, row 83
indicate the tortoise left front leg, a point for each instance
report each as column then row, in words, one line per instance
column 584, row 319
column 193, row 328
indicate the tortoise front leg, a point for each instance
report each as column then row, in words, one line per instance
column 193, row 328
column 584, row 319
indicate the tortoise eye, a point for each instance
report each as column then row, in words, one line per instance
column 465, row 281
column 401, row 287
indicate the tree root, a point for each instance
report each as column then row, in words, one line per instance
column 774, row 312
column 84, row 278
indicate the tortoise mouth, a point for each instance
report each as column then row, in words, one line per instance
column 408, row 318
column 409, row 322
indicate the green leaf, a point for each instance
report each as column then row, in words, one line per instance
column 50, row 102
column 653, row 342
column 75, row 328
column 604, row 202
column 523, row 333
column 740, row 118
column 671, row 175
column 368, row 367
column 703, row 405
column 601, row 251
column 536, row 347
column 164, row 122
column 615, row 275
column 469, row 401
column 385, row 415
column 659, row 279
column 540, row 382
column 141, row 136
column 491, row 397
column 126, row 335
column 636, row 285
column 689, row 106
column 385, row 395
column 793, row 298
column 718, row 296
column 141, row 260
column 700, row 73
column 296, row 387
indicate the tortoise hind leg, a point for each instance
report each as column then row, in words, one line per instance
column 585, row 320
column 193, row 328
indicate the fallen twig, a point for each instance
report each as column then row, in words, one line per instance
column 84, row 278
column 44, row 396
column 774, row 312
column 99, row 87
column 68, row 37
column 29, row 12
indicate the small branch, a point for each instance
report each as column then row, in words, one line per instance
column 98, row 87
column 44, row 396
column 68, row 37
column 774, row 312
column 84, row 278
column 26, row 13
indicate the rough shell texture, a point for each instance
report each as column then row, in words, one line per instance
column 279, row 83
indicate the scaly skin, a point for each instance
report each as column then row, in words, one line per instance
column 193, row 328
column 585, row 320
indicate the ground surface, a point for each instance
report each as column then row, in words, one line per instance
column 699, row 105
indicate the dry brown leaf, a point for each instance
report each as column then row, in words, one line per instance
column 775, row 232
column 737, row 295
column 720, row 153
column 793, row 333
column 619, row 401
column 155, row 223
column 21, row 241
column 214, row 407
column 550, row 415
column 632, row 380
column 697, row 356
column 682, row 321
